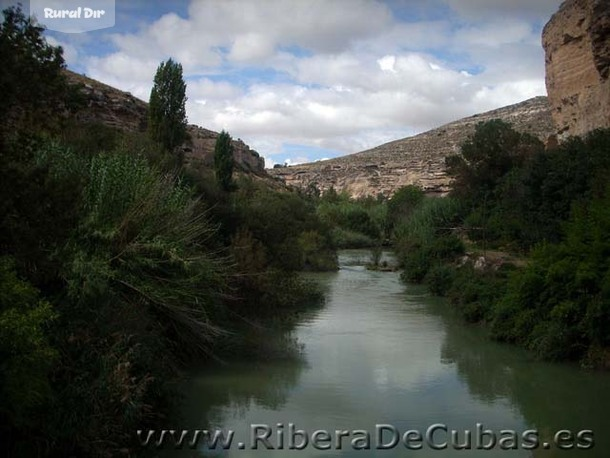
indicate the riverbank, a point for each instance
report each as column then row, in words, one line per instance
column 548, row 208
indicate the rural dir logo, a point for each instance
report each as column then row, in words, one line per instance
column 74, row 16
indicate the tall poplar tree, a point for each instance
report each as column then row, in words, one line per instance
column 223, row 160
column 166, row 111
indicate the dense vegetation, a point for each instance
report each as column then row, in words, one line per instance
column 117, row 271
column 549, row 208
column 356, row 223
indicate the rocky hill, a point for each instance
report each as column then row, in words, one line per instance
column 418, row 160
column 577, row 46
column 107, row 105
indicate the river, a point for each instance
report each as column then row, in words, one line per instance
column 382, row 352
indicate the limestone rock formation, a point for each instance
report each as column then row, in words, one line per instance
column 201, row 149
column 109, row 106
column 418, row 160
column 112, row 107
column 577, row 46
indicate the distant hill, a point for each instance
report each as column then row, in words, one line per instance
column 115, row 108
column 418, row 160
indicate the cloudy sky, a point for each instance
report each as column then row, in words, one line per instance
column 301, row 80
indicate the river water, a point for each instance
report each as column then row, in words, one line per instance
column 383, row 353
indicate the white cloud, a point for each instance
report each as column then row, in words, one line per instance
column 342, row 75
column 386, row 63
column 70, row 51
column 124, row 71
column 297, row 160
column 483, row 9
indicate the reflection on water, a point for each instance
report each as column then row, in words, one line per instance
column 381, row 352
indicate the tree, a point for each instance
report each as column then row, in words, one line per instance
column 402, row 204
column 223, row 160
column 32, row 84
column 166, row 111
column 487, row 156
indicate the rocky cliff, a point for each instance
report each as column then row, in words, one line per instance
column 577, row 47
column 418, row 160
column 112, row 107
column 200, row 148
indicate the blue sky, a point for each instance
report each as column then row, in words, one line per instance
column 303, row 80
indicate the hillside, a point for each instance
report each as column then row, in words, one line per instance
column 118, row 109
column 415, row 160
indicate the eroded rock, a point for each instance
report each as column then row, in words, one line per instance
column 418, row 160
column 577, row 47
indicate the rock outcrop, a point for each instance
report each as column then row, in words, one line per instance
column 109, row 106
column 200, row 149
column 118, row 109
column 418, row 160
column 577, row 46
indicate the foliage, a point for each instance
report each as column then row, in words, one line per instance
column 427, row 237
column 487, row 156
column 32, row 85
column 344, row 238
column 513, row 194
column 558, row 305
column 26, row 355
column 402, row 204
column 31, row 196
column 432, row 218
column 356, row 223
column 439, row 279
column 318, row 254
column 113, row 272
column 287, row 226
column 142, row 236
column 223, row 161
column 167, row 112
column 475, row 292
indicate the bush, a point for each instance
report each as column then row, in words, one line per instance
column 427, row 237
column 141, row 289
column 434, row 217
column 439, row 279
column 556, row 306
column 284, row 223
column 475, row 293
column 356, row 223
column 343, row 238
column 487, row 156
column 402, row 204
column 318, row 255
column 26, row 355
column 143, row 237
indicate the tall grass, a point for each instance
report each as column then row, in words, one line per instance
column 431, row 218
column 143, row 238
column 427, row 237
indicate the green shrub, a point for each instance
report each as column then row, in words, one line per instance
column 26, row 356
column 439, row 279
column 27, row 360
column 474, row 293
column 318, row 255
column 343, row 238
column 433, row 218
column 356, row 223
column 143, row 237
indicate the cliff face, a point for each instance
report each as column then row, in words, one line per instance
column 121, row 110
column 418, row 160
column 577, row 46
column 201, row 149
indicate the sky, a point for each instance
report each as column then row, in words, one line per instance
column 304, row 80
